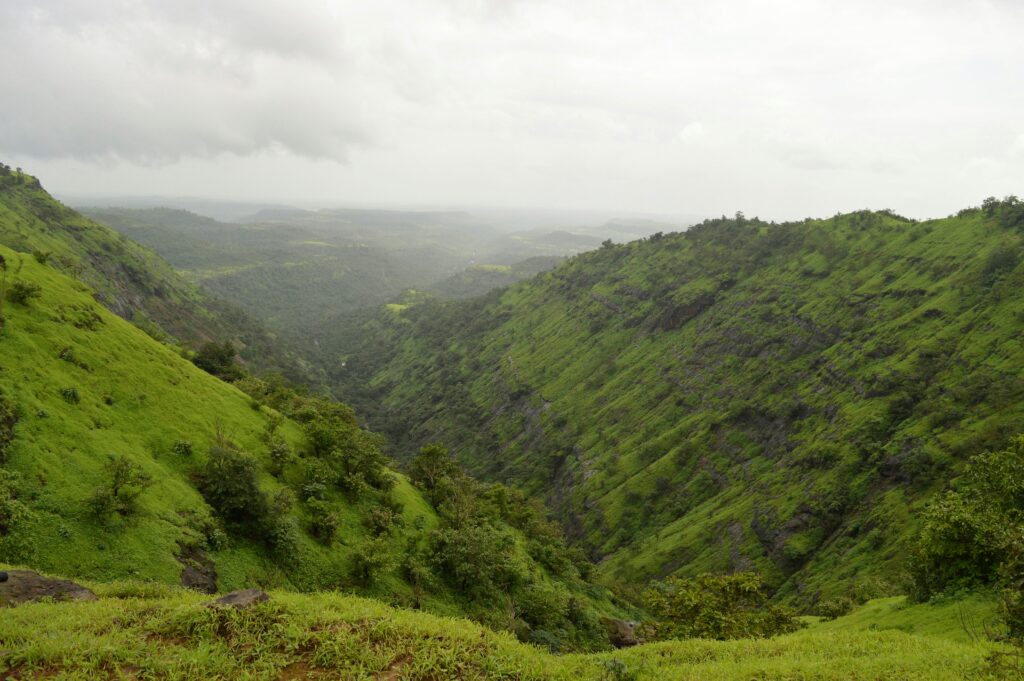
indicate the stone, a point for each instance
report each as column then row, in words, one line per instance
column 244, row 599
column 621, row 634
column 23, row 586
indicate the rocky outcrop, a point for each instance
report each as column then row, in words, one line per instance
column 23, row 586
column 242, row 600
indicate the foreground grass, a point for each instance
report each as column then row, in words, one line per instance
column 139, row 630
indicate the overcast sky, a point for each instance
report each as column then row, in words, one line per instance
column 781, row 109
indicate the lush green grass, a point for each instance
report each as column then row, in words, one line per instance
column 137, row 630
column 744, row 395
column 965, row 618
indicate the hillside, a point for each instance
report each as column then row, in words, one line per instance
column 121, row 459
column 745, row 395
column 128, row 279
column 142, row 631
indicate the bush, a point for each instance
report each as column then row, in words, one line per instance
column 835, row 607
column 229, row 484
column 41, row 257
column 380, row 520
column 70, row 395
column 182, row 448
column 125, row 481
column 12, row 511
column 8, row 419
column 324, row 521
column 219, row 359
column 280, row 455
column 718, row 607
column 23, row 291
column 371, row 560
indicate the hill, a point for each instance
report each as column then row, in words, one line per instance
column 119, row 458
column 129, row 279
column 745, row 395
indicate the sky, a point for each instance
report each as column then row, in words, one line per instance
column 783, row 109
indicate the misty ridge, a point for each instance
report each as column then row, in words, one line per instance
column 511, row 339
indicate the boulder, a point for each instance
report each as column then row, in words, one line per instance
column 246, row 598
column 22, row 586
column 621, row 634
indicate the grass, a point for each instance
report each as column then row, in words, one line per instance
column 138, row 630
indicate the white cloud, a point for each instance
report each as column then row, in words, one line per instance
column 520, row 102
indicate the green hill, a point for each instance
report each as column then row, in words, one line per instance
column 119, row 458
column 745, row 395
column 128, row 279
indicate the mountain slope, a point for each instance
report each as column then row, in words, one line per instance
column 128, row 279
column 119, row 458
column 744, row 395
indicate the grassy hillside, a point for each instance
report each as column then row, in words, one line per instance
column 140, row 631
column 744, row 395
column 79, row 385
column 128, row 279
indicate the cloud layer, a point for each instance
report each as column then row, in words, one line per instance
column 786, row 107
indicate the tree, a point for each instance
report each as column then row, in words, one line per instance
column 219, row 359
column 431, row 464
column 717, row 606
column 229, row 484
column 125, row 482
column 23, row 291
column 371, row 559
column 478, row 559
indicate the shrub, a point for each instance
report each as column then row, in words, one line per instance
column 718, row 607
column 70, row 395
column 182, row 448
column 8, row 419
column 125, row 481
column 219, row 359
column 371, row 560
column 12, row 511
column 23, row 291
column 380, row 520
column 280, row 455
column 229, row 484
column 835, row 607
column 324, row 522
column 41, row 257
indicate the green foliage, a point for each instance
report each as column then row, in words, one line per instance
column 478, row 560
column 70, row 395
column 372, row 560
column 717, row 606
column 124, row 481
column 21, row 292
column 12, row 510
column 182, row 448
column 218, row 359
column 229, row 482
column 974, row 534
column 8, row 419
column 832, row 608
column 324, row 521
column 41, row 257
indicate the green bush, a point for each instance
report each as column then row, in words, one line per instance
column 12, row 511
column 182, row 448
column 324, row 522
column 23, row 291
column 70, row 395
column 8, row 419
column 835, row 607
column 124, row 482
column 229, row 484
column 718, row 607
column 371, row 560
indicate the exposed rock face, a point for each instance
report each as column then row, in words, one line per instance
column 621, row 634
column 246, row 598
column 22, row 586
column 197, row 570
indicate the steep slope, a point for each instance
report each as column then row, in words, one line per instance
column 128, row 279
column 744, row 395
column 119, row 458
